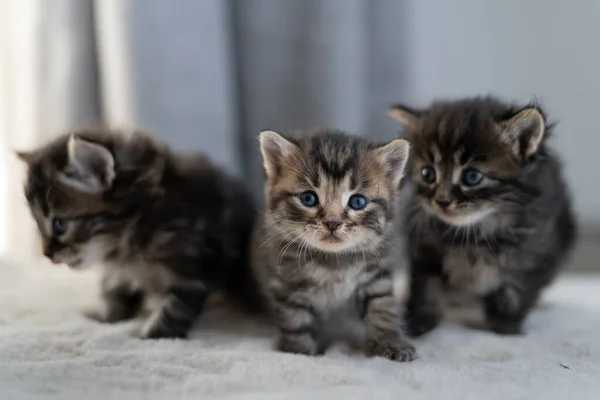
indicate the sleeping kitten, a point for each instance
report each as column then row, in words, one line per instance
column 168, row 228
column 491, row 216
column 323, row 252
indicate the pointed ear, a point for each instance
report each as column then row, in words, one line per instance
column 406, row 116
column 25, row 156
column 394, row 156
column 525, row 131
column 90, row 168
column 274, row 148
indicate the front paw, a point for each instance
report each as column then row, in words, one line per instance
column 418, row 324
column 505, row 326
column 95, row 314
column 299, row 344
column 157, row 330
column 105, row 316
column 394, row 349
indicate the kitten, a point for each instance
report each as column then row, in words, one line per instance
column 168, row 228
column 491, row 216
column 322, row 253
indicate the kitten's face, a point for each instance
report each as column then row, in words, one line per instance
column 467, row 158
column 64, row 193
column 330, row 191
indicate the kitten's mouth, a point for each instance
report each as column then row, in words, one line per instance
column 461, row 218
column 74, row 263
column 331, row 238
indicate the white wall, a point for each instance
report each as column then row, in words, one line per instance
column 517, row 49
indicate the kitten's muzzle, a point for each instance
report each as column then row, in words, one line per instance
column 443, row 203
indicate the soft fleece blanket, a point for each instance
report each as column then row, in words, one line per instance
column 49, row 351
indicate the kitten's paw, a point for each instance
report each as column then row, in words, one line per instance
column 153, row 330
column 397, row 350
column 107, row 316
column 420, row 324
column 299, row 344
column 506, row 327
column 97, row 314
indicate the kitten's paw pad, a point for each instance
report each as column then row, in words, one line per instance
column 299, row 345
column 398, row 350
column 420, row 324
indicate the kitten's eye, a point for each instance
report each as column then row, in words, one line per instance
column 428, row 174
column 59, row 226
column 357, row 202
column 309, row 198
column 471, row 177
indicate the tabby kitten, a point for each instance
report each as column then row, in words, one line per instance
column 491, row 216
column 323, row 252
column 168, row 228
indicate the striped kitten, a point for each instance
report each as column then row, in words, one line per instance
column 322, row 254
column 168, row 228
column 491, row 219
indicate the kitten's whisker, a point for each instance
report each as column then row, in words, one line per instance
column 280, row 233
column 282, row 252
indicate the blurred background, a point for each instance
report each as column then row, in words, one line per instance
column 210, row 74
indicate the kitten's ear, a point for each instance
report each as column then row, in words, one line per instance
column 274, row 149
column 393, row 156
column 25, row 156
column 525, row 131
column 406, row 116
column 90, row 168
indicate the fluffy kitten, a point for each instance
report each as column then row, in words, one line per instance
column 322, row 253
column 168, row 228
column 491, row 217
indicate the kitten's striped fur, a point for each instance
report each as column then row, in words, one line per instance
column 317, row 278
column 168, row 228
column 500, row 240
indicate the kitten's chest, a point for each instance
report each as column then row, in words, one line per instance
column 471, row 273
column 335, row 289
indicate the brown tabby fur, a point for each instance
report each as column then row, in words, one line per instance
column 168, row 228
column 499, row 239
column 327, row 269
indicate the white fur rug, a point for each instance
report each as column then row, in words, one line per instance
column 48, row 350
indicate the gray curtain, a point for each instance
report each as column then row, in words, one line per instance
column 202, row 74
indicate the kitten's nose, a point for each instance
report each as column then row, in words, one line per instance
column 333, row 225
column 443, row 203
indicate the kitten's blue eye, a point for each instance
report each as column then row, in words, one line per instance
column 471, row 177
column 357, row 202
column 428, row 174
column 59, row 226
column 309, row 198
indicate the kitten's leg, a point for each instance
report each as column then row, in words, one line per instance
column 120, row 301
column 383, row 321
column 176, row 312
column 423, row 310
column 297, row 321
column 507, row 307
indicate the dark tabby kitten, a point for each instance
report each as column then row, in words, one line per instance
column 491, row 216
column 168, row 228
column 323, row 251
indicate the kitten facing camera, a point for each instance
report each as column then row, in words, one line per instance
column 168, row 228
column 490, row 217
column 323, row 252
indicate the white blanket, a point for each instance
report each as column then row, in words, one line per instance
column 48, row 350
